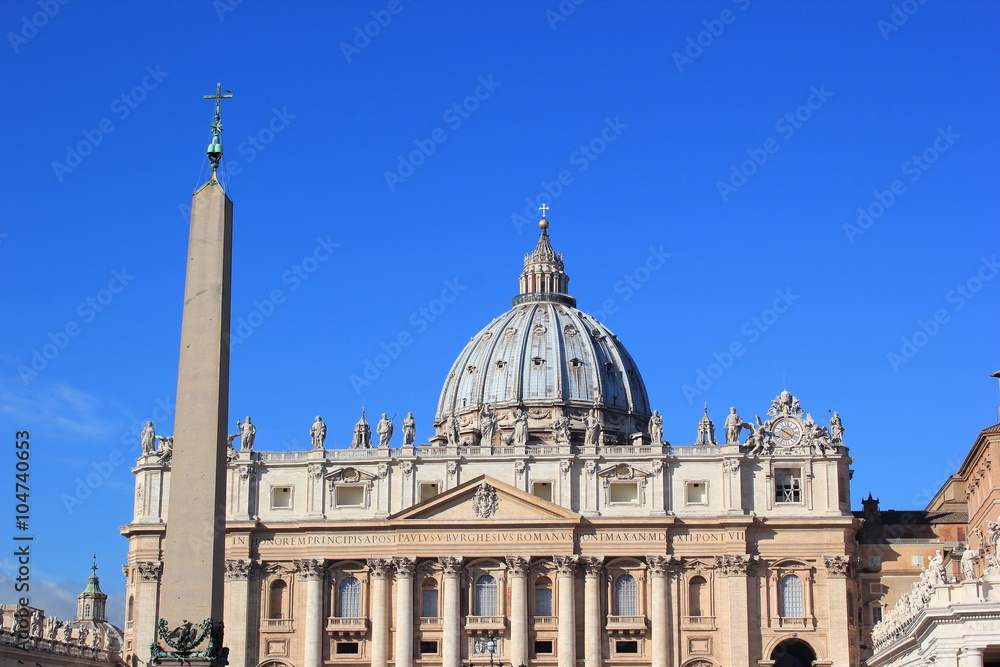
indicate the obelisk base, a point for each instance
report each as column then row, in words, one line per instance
column 197, row 645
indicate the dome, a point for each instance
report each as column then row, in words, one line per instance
column 549, row 359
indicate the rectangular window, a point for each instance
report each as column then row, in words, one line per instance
column 348, row 648
column 697, row 493
column 428, row 648
column 281, row 497
column 543, row 602
column 874, row 561
column 788, row 485
column 542, row 490
column 876, row 615
column 428, row 490
column 543, row 648
column 429, row 603
column 623, row 493
column 875, row 589
column 350, row 496
column 917, row 561
column 626, row 647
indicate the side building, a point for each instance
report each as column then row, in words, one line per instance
column 547, row 522
column 951, row 614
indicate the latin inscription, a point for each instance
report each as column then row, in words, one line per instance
column 488, row 537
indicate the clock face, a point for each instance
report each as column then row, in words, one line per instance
column 787, row 432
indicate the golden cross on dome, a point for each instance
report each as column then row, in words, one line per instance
column 543, row 208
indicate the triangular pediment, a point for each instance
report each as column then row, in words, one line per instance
column 484, row 500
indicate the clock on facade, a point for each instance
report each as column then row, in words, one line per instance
column 787, row 431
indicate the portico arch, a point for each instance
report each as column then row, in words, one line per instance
column 793, row 653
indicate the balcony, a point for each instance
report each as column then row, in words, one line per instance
column 791, row 622
column 626, row 625
column 546, row 621
column 429, row 623
column 276, row 625
column 484, row 623
column 346, row 626
column 701, row 622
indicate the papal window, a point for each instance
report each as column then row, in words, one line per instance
column 626, row 596
column 790, row 597
column 543, row 597
column 349, row 598
column 486, row 595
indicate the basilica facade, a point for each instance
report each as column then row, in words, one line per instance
column 545, row 523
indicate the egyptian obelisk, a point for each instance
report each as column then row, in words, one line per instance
column 191, row 603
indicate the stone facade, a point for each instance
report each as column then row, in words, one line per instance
column 546, row 520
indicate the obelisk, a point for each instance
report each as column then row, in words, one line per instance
column 191, row 593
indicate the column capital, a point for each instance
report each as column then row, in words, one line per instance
column 404, row 566
column 149, row 570
column 379, row 567
column 734, row 565
column 309, row 569
column 566, row 564
column 838, row 566
column 238, row 569
column 659, row 565
column 517, row 565
column 593, row 566
column 452, row 565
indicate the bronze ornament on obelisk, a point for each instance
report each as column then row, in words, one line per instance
column 189, row 630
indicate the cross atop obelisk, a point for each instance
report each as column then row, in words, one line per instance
column 189, row 629
column 215, row 148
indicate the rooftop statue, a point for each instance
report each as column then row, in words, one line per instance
column 148, row 439
column 317, row 433
column 247, row 434
column 384, row 428
column 409, row 429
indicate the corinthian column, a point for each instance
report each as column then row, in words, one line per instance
column 566, row 570
column 838, row 569
column 237, row 587
column 658, row 604
column 735, row 570
column 451, row 654
column 404, row 610
column 593, row 567
column 310, row 573
column 379, row 568
column 517, row 569
column 146, row 605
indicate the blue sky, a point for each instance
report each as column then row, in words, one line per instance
column 747, row 193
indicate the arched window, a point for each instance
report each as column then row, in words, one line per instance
column 697, row 596
column 131, row 609
column 543, row 596
column 486, row 596
column 626, row 596
column 790, row 597
column 349, row 598
column 276, row 599
column 429, row 598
